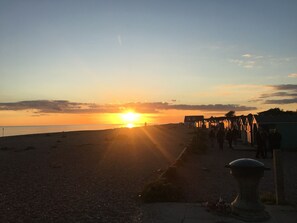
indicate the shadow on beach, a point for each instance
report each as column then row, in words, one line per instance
column 88, row 176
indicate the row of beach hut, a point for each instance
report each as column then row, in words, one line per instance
column 248, row 125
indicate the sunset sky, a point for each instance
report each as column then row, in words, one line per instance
column 89, row 61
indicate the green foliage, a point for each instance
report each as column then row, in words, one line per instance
column 230, row 114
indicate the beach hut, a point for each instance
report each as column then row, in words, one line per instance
column 251, row 129
column 243, row 129
column 286, row 125
column 234, row 122
column 194, row 121
column 218, row 122
column 211, row 122
column 227, row 122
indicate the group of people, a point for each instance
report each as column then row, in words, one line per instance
column 267, row 142
column 221, row 135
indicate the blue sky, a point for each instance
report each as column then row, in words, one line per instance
column 179, row 52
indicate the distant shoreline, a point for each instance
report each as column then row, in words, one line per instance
column 8, row 131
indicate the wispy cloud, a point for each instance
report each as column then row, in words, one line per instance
column 64, row 106
column 250, row 61
column 247, row 55
column 213, row 107
column 290, row 87
column 51, row 106
column 294, row 75
column 247, row 60
column 280, row 94
column 281, row 101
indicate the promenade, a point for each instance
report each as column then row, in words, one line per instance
column 203, row 178
column 194, row 213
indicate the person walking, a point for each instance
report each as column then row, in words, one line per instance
column 274, row 140
column 278, row 139
column 229, row 137
column 235, row 134
column 212, row 137
column 264, row 136
column 221, row 138
column 260, row 144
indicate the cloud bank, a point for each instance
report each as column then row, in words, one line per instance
column 280, row 94
column 64, row 106
column 247, row 60
column 250, row 61
column 293, row 75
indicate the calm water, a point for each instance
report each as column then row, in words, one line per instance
column 25, row 130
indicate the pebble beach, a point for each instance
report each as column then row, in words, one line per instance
column 98, row 176
column 87, row 176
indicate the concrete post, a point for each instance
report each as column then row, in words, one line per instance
column 278, row 177
column 247, row 205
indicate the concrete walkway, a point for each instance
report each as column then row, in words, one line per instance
column 195, row 213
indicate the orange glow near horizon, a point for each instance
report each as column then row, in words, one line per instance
column 130, row 125
column 130, row 119
column 126, row 119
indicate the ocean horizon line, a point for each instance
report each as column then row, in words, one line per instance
column 18, row 130
column 6, row 131
column 8, row 126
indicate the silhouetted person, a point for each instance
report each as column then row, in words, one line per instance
column 278, row 139
column 260, row 144
column 275, row 139
column 212, row 137
column 235, row 134
column 264, row 136
column 221, row 138
column 229, row 137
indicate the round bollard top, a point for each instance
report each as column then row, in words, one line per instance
column 245, row 163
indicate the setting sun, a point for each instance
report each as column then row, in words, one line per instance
column 130, row 119
column 130, row 125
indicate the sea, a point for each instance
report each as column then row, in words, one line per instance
column 26, row 130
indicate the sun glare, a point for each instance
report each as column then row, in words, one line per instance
column 130, row 125
column 130, row 119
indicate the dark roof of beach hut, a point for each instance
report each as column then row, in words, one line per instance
column 215, row 119
column 274, row 119
column 194, row 118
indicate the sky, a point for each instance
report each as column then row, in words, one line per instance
column 89, row 61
